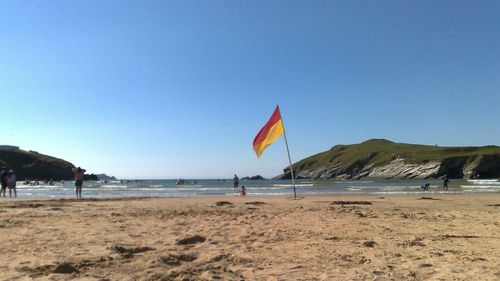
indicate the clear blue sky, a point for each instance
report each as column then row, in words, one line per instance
column 166, row 89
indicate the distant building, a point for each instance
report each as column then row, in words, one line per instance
column 9, row 147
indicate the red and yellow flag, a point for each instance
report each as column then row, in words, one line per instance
column 269, row 133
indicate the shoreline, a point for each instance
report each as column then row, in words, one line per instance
column 323, row 237
column 281, row 195
column 256, row 188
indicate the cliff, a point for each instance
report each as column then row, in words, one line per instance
column 379, row 158
column 35, row 166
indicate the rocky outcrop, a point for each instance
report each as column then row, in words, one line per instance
column 400, row 169
column 389, row 160
column 90, row 177
column 103, row 177
column 488, row 167
column 257, row 177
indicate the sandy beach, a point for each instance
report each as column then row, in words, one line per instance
column 445, row 237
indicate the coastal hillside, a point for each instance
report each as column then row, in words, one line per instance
column 34, row 166
column 379, row 158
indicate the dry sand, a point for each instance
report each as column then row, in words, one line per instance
column 252, row 238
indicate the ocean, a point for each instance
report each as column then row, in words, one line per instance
column 207, row 187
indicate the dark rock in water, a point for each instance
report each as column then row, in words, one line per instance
column 369, row 244
column 191, row 240
column 90, row 177
column 257, row 177
column 65, row 268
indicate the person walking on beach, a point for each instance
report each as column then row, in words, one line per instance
column 3, row 179
column 11, row 183
column 236, row 181
column 445, row 183
column 79, row 181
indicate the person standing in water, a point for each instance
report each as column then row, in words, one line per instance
column 79, row 172
column 3, row 179
column 445, row 183
column 236, row 181
column 11, row 183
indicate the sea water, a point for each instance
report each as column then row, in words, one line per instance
column 207, row 187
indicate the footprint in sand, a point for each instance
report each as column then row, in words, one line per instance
column 223, row 203
column 370, row 244
column 61, row 268
column 256, row 203
column 177, row 259
column 191, row 240
column 129, row 252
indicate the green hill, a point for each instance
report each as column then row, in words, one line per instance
column 379, row 158
column 35, row 166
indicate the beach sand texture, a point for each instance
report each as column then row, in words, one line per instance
column 448, row 237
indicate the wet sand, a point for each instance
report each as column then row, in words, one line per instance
column 445, row 237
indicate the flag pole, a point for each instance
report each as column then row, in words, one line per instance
column 289, row 158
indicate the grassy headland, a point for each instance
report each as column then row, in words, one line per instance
column 349, row 159
column 35, row 166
